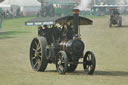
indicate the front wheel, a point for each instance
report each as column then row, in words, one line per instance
column 89, row 62
column 62, row 62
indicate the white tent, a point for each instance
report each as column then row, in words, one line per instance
column 21, row 2
column 28, row 7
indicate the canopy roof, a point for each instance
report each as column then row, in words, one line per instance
column 54, row 20
column 109, row 6
column 62, row 1
column 58, row 1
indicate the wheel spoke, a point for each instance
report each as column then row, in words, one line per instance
column 39, row 48
column 40, row 56
column 34, row 49
column 61, row 68
column 88, row 62
column 39, row 52
column 89, row 57
column 86, row 69
column 36, row 43
column 36, row 64
column 59, row 62
column 39, row 62
column 33, row 58
column 62, row 59
column 89, row 68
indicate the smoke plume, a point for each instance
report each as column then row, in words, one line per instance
column 123, row 10
column 123, row 2
column 84, row 4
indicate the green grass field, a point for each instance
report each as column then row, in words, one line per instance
column 110, row 46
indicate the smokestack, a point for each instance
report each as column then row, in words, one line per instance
column 76, row 19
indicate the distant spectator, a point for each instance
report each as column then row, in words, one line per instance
column 115, row 12
column 1, row 18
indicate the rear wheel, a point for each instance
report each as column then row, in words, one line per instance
column 89, row 62
column 120, row 22
column 61, row 62
column 37, row 54
column 110, row 23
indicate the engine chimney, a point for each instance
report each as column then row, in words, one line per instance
column 76, row 20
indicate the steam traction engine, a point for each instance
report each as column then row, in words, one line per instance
column 59, row 42
column 46, row 9
column 115, row 18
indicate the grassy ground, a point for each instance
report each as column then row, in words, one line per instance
column 110, row 46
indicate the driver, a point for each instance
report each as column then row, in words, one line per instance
column 67, row 31
column 115, row 12
column 42, row 31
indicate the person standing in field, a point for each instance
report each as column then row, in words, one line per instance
column 1, row 18
column 1, row 15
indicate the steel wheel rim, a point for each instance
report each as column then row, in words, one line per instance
column 60, row 64
column 89, row 62
column 89, row 66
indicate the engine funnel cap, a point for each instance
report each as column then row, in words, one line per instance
column 75, row 11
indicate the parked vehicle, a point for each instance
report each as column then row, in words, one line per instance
column 115, row 18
